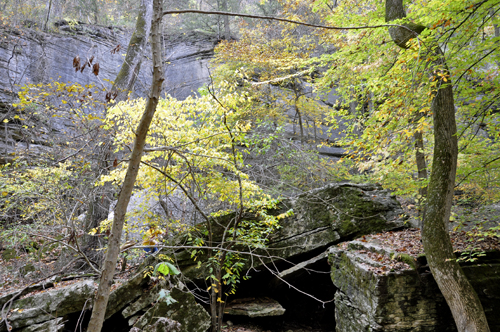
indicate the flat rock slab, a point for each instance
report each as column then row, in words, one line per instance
column 333, row 213
column 126, row 293
column 46, row 306
column 321, row 217
column 254, row 307
column 55, row 325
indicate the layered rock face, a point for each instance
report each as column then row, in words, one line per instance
column 371, row 297
column 336, row 213
column 29, row 56
column 134, row 304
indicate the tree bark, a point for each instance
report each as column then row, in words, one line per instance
column 98, row 207
column 495, row 26
column 227, row 29
column 49, row 7
column 126, row 78
column 101, row 300
column 421, row 170
column 95, row 11
column 462, row 299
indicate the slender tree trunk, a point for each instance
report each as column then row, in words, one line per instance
column 214, row 292
column 462, row 299
column 421, row 170
column 495, row 26
column 95, row 11
column 227, row 29
column 57, row 9
column 296, row 91
column 101, row 301
column 218, row 20
column 126, row 78
column 49, row 7
column 98, row 207
column 420, row 159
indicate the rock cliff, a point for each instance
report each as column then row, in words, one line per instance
column 30, row 56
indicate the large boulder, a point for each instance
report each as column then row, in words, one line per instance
column 335, row 213
column 190, row 315
column 126, row 293
column 137, row 301
column 385, row 290
column 321, row 218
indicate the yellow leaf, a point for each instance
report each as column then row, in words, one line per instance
column 5, row 120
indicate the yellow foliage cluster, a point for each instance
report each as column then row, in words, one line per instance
column 191, row 142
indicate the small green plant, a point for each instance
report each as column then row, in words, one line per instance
column 470, row 255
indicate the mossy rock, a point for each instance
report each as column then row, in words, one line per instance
column 191, row 315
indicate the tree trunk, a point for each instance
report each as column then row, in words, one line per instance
column 98, row 207
column 227, row 29
column 49, row 7
column 95, row 11
column 495, row 26
column 463, row 301
column 101, row 300
column 126, row 78
column 421, row 170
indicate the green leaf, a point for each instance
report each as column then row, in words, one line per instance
column 162, row 268
column 173, row 269
column 166, row 268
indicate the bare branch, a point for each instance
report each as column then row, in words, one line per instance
column 194, row 11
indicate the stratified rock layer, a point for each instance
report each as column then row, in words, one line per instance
column 335, row 213
column 254, row 307
column 45, row 306
column 30, row 56
column 54, row 309
column 371, row 298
